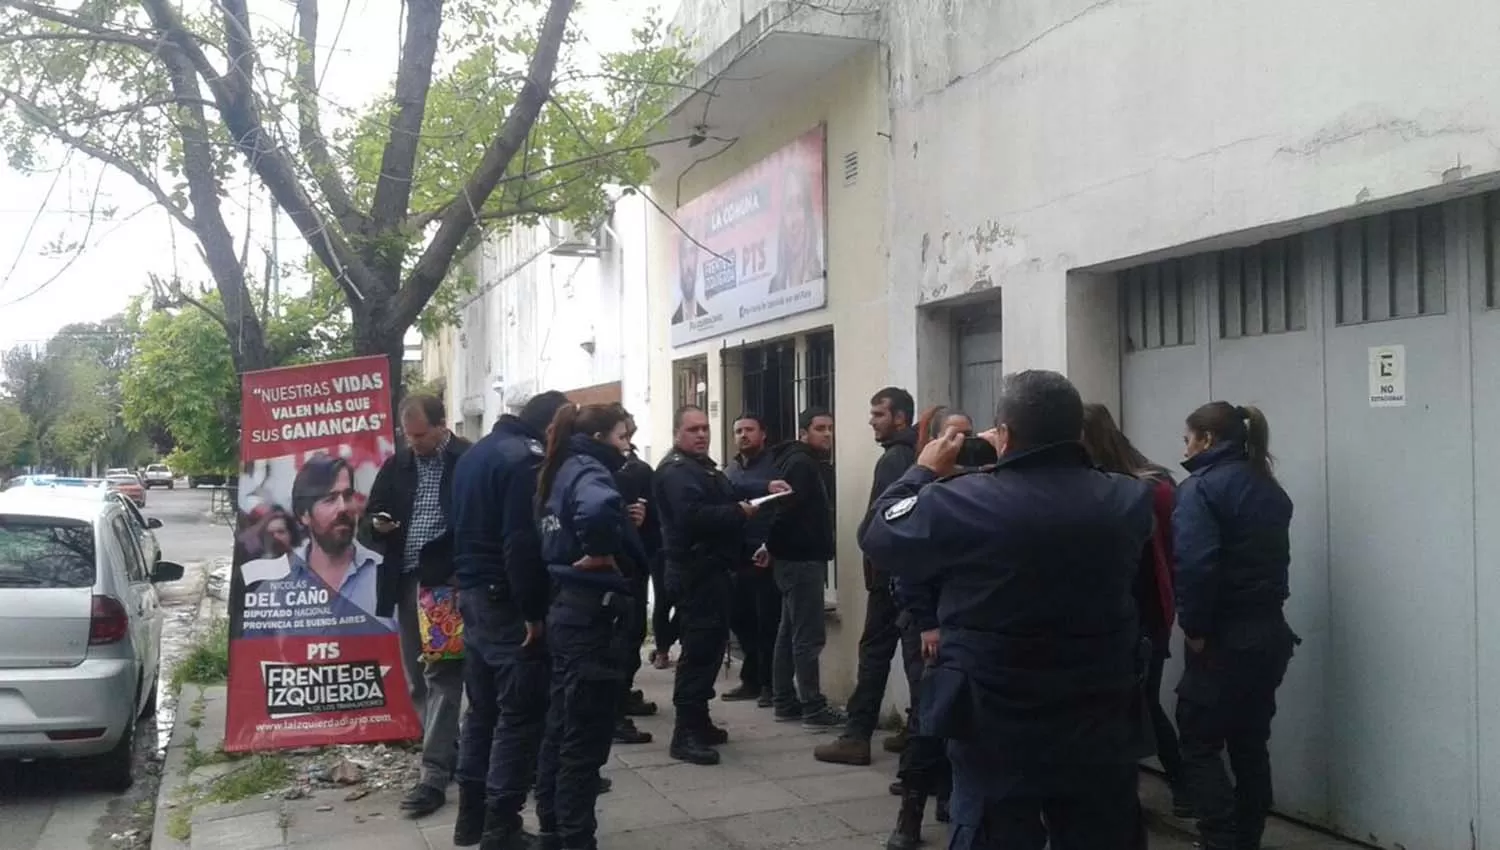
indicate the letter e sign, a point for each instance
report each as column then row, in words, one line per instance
column 1388, row 376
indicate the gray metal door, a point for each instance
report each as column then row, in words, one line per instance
column 1375, row 734
column 980, row 365
column 1482, row 223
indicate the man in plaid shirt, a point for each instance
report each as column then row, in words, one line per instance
column 408, row 512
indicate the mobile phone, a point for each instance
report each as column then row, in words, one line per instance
column 382, row 515
column 977, row 451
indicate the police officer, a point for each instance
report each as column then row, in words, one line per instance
column 586, row 534
column 702, row 522
column 503, row 596
column 1036, row 678
column 1231, row 535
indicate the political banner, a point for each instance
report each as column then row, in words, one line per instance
column 311, row 659
column 752, row 250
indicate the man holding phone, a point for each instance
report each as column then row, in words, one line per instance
column 408, row 512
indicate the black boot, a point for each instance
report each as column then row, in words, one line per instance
column 502, row 831
column 714, row 736
column 469, row 827
column 636, row 705
column 689, row 746
column 627, row 733
column 908, row 832
column 943, row 815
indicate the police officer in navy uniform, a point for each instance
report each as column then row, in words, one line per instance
column 1232, row 537
column 1037, row 675
column 503, row 592
column 703, row 520
column 587, row 535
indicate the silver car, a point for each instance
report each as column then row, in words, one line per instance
column 80, row 630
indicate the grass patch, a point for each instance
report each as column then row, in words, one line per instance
column 206, row 661
column 194, row 757
column 180, row 824
column 255, row 775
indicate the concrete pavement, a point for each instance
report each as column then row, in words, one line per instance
column 50, row 806
column 768, row 793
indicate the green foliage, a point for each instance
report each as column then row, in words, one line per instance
column 206, row 661
column 15, row 435
column 181, row 376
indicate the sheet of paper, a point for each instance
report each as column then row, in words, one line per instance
column 771, row 498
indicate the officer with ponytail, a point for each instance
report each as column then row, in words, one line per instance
column 588, row 543
column 1231, row 536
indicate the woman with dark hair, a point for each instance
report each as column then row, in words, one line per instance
column 1112, row 451
column 588, row 542
column 1231, row 530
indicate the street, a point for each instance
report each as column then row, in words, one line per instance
column 48, row 806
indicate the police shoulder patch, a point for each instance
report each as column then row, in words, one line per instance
column 536, row 447
column 900, row 509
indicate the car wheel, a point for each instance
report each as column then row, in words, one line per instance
column 150, row 709
column 115, row 770
column 171, row 486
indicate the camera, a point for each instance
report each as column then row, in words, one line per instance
column 977, row 451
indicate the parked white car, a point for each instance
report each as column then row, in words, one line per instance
column 80, row 630
column 159, row 475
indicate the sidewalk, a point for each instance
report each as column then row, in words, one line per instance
column 768, row 793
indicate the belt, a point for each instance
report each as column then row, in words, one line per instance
column 594, row 602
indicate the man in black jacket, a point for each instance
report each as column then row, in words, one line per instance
column 408, row 513
column 892, row 412
column 702, row 523
column 797, row 551
column 756, row 611
column 504, row 593
column 633, row 480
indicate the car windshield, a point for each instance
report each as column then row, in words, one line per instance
column 156, row 467
column 45, row 552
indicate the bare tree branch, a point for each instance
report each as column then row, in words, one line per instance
column 459, row 218
column 309, row 126
column 39, row 118
column 85, row 37
column 242, row 118
column 48, row 12
column 424, row 20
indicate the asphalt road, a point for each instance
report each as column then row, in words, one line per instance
column 51, row 806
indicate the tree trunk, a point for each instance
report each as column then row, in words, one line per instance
column 369, row 341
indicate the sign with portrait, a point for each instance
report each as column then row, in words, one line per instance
column 312, row 659
column 752, row 249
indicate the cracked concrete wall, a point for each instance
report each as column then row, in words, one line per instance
column 1035, row 137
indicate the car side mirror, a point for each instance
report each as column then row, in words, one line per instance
column 167, row 571
column 153, row 523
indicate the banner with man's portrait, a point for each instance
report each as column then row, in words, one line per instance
column 752, row 249
column 313, row 658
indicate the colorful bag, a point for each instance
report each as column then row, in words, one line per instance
column 442, row 626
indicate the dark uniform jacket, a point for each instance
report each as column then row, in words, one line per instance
column 802, row 525
column 1039, row 661
column 754, row 474
column 585, row 516
column 900, row 452
column 702, row 526
column 394, row 492
column 494, row 524
column 634, row 483
column 1231, row 535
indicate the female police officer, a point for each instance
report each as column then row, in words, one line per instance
column 584, row 528
column 1231, row 533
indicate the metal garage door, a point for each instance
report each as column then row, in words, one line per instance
column 1376, row 735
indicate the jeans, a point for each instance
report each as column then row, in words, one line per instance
column 664, row 617
column 507, row 686
column 588, row 644
column 877, row 645
column 1083, row 807
column 756, row 617
column 800, row 636
column 1225, row 702
column 437, row 691
column 703, row 600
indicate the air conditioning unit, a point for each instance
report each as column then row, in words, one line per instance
column 569, row 240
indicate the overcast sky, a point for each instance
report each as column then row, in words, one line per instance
column 41, row 291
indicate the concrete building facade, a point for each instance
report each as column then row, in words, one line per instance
column 1280, row 204
column 554, row 307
